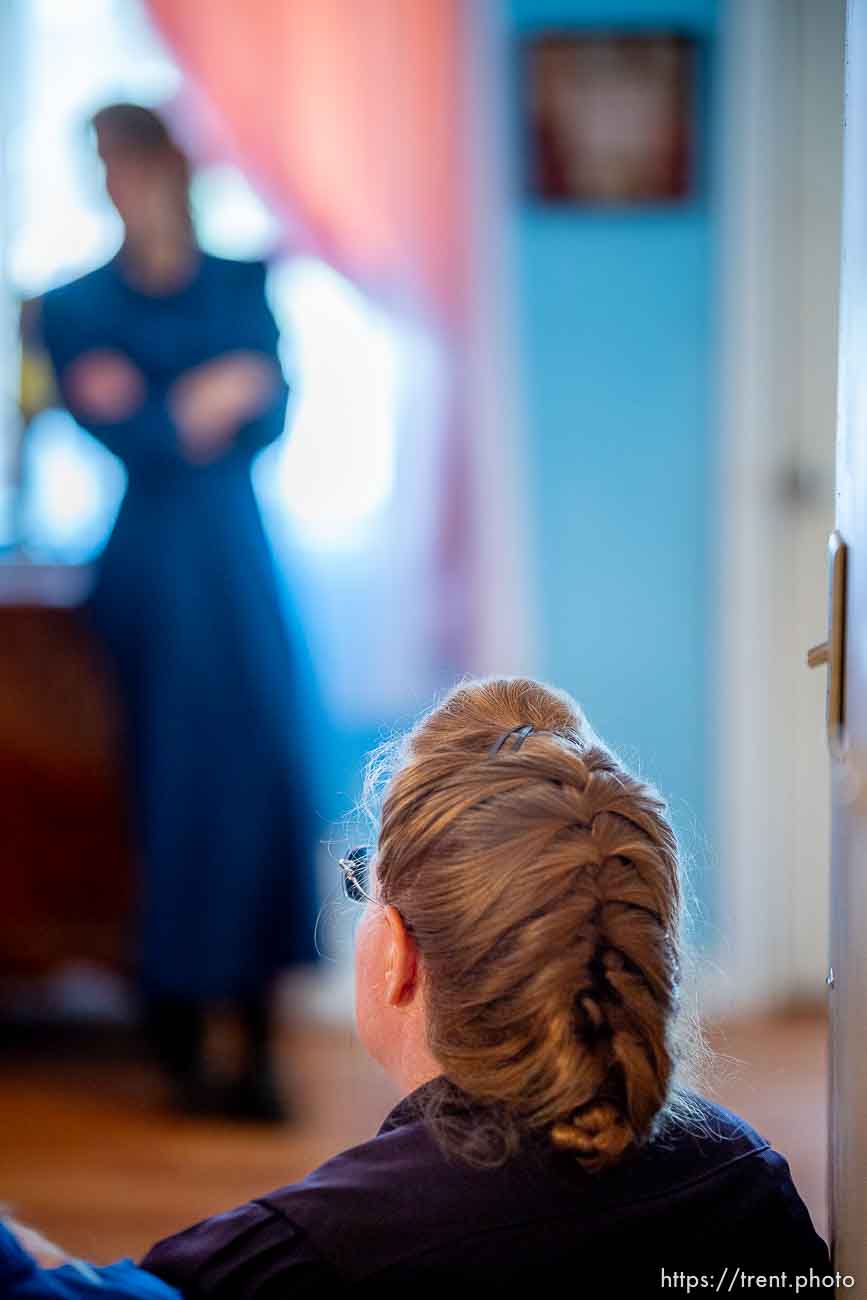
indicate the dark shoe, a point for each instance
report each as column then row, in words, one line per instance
column 176, row 1029
column 197, row 1095
column 255, row 1098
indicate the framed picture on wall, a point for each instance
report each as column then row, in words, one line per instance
column 610, row 116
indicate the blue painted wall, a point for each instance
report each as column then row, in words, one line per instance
column 616, row 333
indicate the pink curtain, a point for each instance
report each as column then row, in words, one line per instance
column 351, row 117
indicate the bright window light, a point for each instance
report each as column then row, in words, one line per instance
column 74, row 488
column 77, row 56
column 337, row 468
column 231, row 220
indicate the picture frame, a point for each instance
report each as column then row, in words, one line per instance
column 610, row 117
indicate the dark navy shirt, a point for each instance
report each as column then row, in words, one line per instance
column 700, row 1198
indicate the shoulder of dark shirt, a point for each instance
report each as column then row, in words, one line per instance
column 235, row 271
column 681, row 1150
column 68, row 309
column 68, row 317
column 81, row 288
column 358, row 1200
column 396, row 1202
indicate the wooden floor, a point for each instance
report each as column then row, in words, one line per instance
column 90, row 1155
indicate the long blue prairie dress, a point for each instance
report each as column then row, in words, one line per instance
column 186, row 600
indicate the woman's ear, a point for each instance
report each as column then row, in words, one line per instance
column 402, row 965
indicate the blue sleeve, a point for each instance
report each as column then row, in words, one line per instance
column 762, row 1225
column 21, row 1278
column 262, row 335
column 249, row 1253
column 268, row 426
column 146, row 439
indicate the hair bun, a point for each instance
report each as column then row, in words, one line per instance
column 597, row 1134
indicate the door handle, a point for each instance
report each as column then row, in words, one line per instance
column 832, row 652
column 818, row 654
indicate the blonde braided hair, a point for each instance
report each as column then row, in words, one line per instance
column 541, row 884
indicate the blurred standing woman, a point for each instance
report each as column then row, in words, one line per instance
column 169, row 357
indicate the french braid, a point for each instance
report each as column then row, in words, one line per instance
column 541, row 885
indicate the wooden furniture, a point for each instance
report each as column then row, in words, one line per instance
column 66, row 882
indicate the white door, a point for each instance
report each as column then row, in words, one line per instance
column 780, row 189
column 848, row 996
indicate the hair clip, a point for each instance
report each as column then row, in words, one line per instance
column 521, row 732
